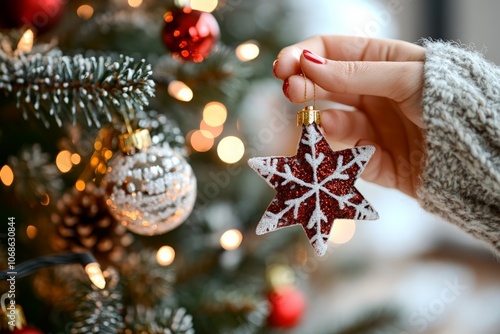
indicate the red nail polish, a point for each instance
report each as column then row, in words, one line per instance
column 286, row 85
column 313, row 57
column 274, row 67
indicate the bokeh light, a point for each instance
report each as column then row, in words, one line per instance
column 31, row 231
column 85, row 12
column 134, row 3
column 214, row 130
column 231, row 149
column 204, row 5
column 75, row 158
column 202, row 141
column 165, row 255
column 342, row 231
column 45, row 200
column 63, row 161
column 247, row 51
column 215, row 114
column 80, row 185
column 231, row 239
column 180, row 91
column 6, row 175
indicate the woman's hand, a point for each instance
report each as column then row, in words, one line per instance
column 383, row 80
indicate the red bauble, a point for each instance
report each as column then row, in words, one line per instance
column 287, row 307
column 190, row 34
column 39, row 15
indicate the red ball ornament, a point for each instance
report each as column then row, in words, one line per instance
column 287, row 307
column 27, row 330
column 39, row 15
column 190, row 34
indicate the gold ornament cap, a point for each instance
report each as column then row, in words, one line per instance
column 308, row 116
column 138, row 140
column 12, row 319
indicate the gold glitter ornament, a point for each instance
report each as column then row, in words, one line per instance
column 149, row 189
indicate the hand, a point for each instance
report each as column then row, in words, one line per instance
column 383, row 81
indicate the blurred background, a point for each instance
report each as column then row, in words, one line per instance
column 408, row 272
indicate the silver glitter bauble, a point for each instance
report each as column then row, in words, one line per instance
column 163, row 130
column 151, row 191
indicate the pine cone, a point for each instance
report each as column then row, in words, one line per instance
column 60, row 285
column 83, row 223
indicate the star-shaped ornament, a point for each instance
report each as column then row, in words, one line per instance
column 314, row 187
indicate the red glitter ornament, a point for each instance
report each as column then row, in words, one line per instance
column 190, row 34
column 314, row 187
column 286, row 307
column 27, row 330
column 39, row 15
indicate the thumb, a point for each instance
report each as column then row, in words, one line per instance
column 394, row 80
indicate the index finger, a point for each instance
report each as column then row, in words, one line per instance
column 347, row 48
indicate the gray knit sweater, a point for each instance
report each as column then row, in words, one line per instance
column 461, row 175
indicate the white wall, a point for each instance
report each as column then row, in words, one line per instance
column 477, row 22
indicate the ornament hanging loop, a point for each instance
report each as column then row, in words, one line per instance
column 308, row 115
column 305, row 92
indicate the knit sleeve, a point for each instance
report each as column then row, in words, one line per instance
column 461, row 173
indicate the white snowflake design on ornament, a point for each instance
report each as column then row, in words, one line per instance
column 314, row 187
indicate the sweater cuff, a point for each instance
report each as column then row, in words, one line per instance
column 461, row 171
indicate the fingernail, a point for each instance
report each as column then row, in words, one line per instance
column 286, row 85
column 313, row 57
column 274, row 67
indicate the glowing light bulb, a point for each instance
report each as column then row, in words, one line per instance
column 6, row 175
column 94, row 272
column 204, row 5
column 26, row 42
column 231, row 239
column 247, row 51
column 180, row 91
column 215, row 114
column 63, row 161
column 165, row 255
column 85, row 12
column 342, row 231
column 231, row 149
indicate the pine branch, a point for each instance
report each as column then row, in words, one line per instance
column 54, row 84
column 222, row 76
column 36, row 176
column 240, row 310
column 100, row 310
column 145, row 281
column 162, row 320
